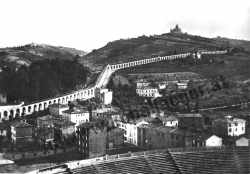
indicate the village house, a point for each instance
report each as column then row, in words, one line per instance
column 169, row 121
column 64, row 129
column 241, row 140
column 181, row 85
column 46, row 121
column 115, row 138
column 104, row 95
column 192, row 121
column 151, row 136
column 206, row 140
column 76, row 115
column 142, row 83
column 3, row 129
column 148, row 91
column 229, row 126
column 45, row 135
column 105, row 115
column 57, row 108
column 21, row 133
column 92, row 139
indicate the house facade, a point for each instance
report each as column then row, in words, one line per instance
column 148, row 92
column 92, row 140
column 76, row 115
column 21, row 133
column 229, row 126
column 206, row 140
column 115, row 138
column 47, row 121
column 57, row 108
column 193, row 121
column 104, row 95
column 63, row 130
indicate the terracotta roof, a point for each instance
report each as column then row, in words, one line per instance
column 229, row 120
column 20, row 124
column 75, row 111
column 64, row 122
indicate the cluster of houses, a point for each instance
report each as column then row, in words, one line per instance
column 99, row 130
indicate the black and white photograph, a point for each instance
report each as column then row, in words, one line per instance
column 125, row 86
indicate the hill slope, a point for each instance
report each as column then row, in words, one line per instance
column 143, row 47
column 17, row 56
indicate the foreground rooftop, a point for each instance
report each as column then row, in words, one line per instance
column 179, row 160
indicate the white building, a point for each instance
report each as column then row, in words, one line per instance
column 148, row 92
column 169, row 121
column 142, row 83
column 243, row 141
column 57, row 108
column 76, row 115
column 104, row 95
column 181, row 85
column 206, row 140
column 229, row 126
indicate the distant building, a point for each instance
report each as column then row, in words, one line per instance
column 3, row 129
column 21, row 133
column 148, row 92
column 206, row 140
column 46, row 121
column 64, row 129
column 169, row 121
column 57, row 108
column 92, row 140
column 76, row 115
column 104, row 95
column 142, row 83
column 106, row 116
column 3, row 98
column 152, row 136
column 181, row 85
column 242, row 141
column 115, row 138
column 193, row 121
column 176, row 30
column 229, row 126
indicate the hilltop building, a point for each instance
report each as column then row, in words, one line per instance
column 229, row 126
column 176, row 30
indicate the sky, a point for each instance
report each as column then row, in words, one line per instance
column 91, row 24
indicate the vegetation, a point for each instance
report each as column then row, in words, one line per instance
column 43, row 79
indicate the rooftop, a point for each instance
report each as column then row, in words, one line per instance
column 48, row 117
column 20, row 124
column 75, row 111
column 188, row 115
column 230, row 120
column 171, row 161
column 167, row 118
column 64, row 122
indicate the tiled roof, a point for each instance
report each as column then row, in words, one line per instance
column 20, row 124
column 48, row 117
column 58, row 105
column 75, row 111
column 229, row 120
column 188, row 115
column 167, row 118
column 64, row 122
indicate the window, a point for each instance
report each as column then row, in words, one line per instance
column 236, row 124
column 242, row 128
column 230, row 130
column 172, row 136
column 229, row 125
column 236, row 129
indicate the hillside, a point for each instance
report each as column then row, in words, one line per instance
column 143, row 47
column 25, row 55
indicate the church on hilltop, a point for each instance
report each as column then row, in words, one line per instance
column 176, row 30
